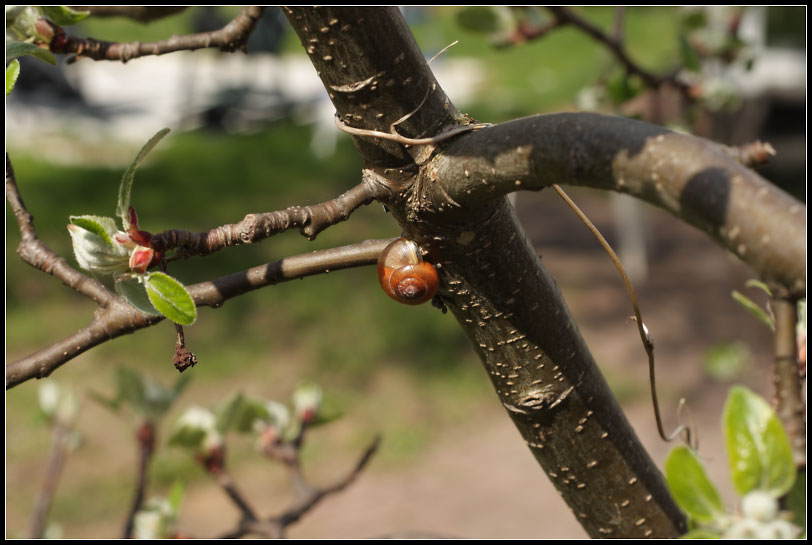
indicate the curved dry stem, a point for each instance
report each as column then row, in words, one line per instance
column 645, row 337
column 119, row 318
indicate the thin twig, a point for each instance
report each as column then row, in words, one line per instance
column 788, row 393
column 51, row 474
column 566, row 16
column 275, row 526
column 120, row 318
column 310, row 220
column 231, row 37
column 645, row 337
column 34, row 252
column 145, row 437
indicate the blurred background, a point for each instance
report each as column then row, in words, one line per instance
column 254, row 133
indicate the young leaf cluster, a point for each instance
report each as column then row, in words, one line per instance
column 762, row 470
column 101, row 247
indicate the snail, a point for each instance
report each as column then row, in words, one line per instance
column 403, row 274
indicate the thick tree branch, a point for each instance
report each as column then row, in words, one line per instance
column 231, row 37
column 34, row 252
column 119, row 318
column 687, row 176
column 310, row 220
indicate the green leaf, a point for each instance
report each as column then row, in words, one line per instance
column 753, row 308
column 176, row 495
column 170, row 298
column 690, row 58
column 753, row 283
column 690, row 486
column 63, row 15
column 130, row 388
column 796, row 500
column 187, row 437
column 18, row 49
column 227, row 413
column 758, row 450
column 479, row 19
column 12, row 73
column 101, row 226
column 726, row 361
column 131, row 288
column 127, row 180
column 104, row 401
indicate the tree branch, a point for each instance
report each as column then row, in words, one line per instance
column 687, row 176
column 119, row 318
column 566, row 16
column 146, row 444
column 34, row 252
column 51, row 474
column 231, row 37
column 788, row 392
column 310, row 220
column 274, row 527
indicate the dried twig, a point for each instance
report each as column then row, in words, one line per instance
column 406, row 141
column 645, row 337
column 231, row 37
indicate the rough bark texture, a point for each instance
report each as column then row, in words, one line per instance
column 493, row 282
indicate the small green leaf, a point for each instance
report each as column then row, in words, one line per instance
column 758, row 450
column 753, row 283
column 18, row 49
column 187, row 437
column 227, row 413
column 127, row 180
column 726, row 361
column 12, row 73
column 130, row 388
column 690, row 486
column 96, row 253
column 753, row 308
column 176, row 495
column 479, row 19
column 63, row 15
column 193, row 427
column 101, row 226
column 132, row 288
column 170, row 298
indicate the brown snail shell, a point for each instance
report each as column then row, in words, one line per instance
column 403, row 274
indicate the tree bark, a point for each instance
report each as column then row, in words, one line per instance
column 493, row 282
